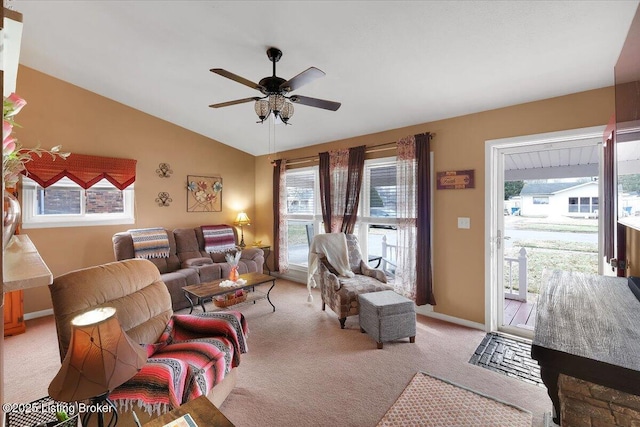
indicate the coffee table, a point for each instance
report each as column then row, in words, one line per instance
column 206, row 291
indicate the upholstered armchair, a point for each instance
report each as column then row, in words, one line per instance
column 341, row 292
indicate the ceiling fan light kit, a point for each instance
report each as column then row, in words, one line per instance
column 275, row 89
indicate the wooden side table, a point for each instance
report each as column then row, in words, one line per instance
column 203, row 412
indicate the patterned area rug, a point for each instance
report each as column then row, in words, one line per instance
column 508, row 356
column 433, row 402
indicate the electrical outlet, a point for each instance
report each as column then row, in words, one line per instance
column 464, row 222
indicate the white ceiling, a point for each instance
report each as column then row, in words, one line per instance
column 390, row 64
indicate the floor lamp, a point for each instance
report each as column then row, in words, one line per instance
column 101, row 356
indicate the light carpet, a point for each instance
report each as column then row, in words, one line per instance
column 302, row 369
column 430, row 401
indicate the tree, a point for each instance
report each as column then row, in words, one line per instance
column 375, row 201
column 629, row 183
column 512, row 188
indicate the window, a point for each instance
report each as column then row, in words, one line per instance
column 583, row 204
column 573, row 204
column 376, row 227
column 66, row 204
column 303, row 213
column 377, row 224
column 541, row 200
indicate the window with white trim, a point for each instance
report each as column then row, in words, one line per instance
column 583, row 204
column 304, row 214
column 541, row 200
column 377, row 222
column 66, row 204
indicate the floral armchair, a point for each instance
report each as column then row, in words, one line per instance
column 341, row 293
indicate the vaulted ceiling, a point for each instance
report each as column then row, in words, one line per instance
column 390, row 63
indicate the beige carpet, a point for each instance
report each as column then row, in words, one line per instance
column 429, row 401
column 303, row 370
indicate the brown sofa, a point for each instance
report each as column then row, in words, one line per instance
column 143, row 308
column 188, row 263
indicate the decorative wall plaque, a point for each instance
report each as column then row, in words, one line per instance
column 455, row 180
column 204, row 193
column 163, row 199
column 164, row 170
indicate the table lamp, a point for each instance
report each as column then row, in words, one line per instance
column 101, row 356
column 241, row 220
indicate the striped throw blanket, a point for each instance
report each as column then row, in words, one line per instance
column 150, row 243
column 192, row 355
column 218, row 238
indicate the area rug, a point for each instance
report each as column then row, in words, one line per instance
column 429, row 401
column 509, row 356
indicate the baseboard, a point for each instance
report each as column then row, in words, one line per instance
column 36, row 314
column 426, row 310
column 292, row 275
column 452, row 319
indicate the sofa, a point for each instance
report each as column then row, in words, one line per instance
column 188, row 355
column 188, row 263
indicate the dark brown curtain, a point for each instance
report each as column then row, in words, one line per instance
column 609, row 191
column 325, row 190
column 424, row 273
column 277, row 170
column 354, row 184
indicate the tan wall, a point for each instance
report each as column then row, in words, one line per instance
column 460, row 144
column 83, row 122
column 86, row 123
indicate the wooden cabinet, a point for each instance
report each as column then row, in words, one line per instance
column 14, row 313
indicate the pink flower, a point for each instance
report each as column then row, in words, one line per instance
column 13, row 105
column 7, row 128
column 8, row 145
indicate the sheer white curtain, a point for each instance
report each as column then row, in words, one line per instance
column 283, row 237
column 406, row 210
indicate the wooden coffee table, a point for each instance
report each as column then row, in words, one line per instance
column 206, row 291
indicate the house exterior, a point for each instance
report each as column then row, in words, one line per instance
column 570, row 199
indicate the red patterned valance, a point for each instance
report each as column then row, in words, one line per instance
column 82, row 169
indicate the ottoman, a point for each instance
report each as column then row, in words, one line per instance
column 387, row 316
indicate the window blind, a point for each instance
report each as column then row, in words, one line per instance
column 84, row 170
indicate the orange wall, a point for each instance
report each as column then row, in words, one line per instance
column 459, row 144
column 86, row 123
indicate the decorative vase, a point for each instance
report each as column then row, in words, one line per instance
column 233, row 274
column 10, row 215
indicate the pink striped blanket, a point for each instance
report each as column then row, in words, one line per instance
column 194, row 353
column 218, row 238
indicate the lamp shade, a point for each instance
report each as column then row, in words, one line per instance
column 101, row 357
column 242, row 219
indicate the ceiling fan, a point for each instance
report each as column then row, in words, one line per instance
column 277, row 99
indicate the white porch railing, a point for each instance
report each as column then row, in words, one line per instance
column 389, row 257
column 521, row 260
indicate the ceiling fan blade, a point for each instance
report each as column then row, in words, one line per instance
column 237, row 101
column 315, row 102
column 305, row 77
column 236, row 78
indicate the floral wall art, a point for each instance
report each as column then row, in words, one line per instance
column 204, row 193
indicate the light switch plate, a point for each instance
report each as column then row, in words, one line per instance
column 464, row 222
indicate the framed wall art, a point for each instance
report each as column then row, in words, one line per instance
column 204, row 193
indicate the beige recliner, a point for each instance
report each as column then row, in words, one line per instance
column 143, row 308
